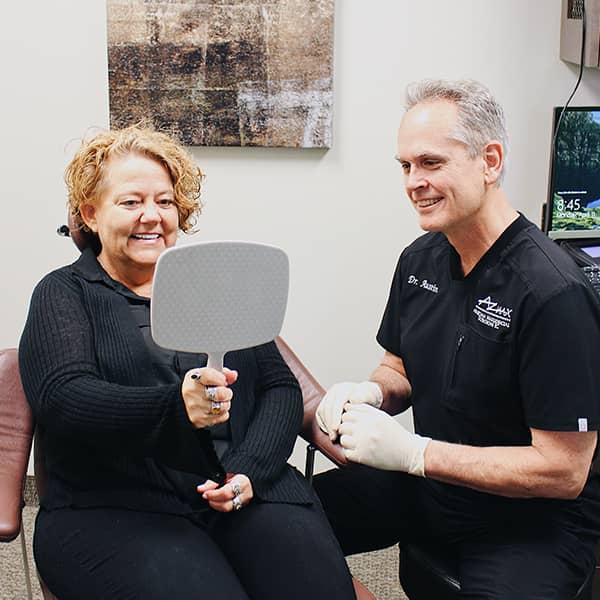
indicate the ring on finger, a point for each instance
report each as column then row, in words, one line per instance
column 237, row 503
column 215, row 408
column 211, row 393
column 236, row 489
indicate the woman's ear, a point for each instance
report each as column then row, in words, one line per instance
column 88, row 215
column 493, row 158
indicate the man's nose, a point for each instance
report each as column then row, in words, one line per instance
column 414, row 180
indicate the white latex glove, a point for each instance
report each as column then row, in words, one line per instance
column 374, row 438
column 329, row 411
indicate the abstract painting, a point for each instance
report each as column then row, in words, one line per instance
column 224, row 72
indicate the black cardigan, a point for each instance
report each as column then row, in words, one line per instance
column 115, row 439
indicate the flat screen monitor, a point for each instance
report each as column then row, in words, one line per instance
column 573, row 206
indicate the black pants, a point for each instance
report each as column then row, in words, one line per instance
column 263, row 552
column 508, row 549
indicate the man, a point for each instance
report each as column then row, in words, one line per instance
column 492, row 335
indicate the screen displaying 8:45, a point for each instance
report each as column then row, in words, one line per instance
column 575, row 190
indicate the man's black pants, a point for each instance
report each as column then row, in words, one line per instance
column 506, row 549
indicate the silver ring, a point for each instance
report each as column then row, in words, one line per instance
column 211, row 393
column 215, row 408
column 237, row 503
column 236, row 489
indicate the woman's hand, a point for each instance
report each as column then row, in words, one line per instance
column 207, row 396
column 234, row 494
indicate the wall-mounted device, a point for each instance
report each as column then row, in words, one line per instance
column 573, row 205
column 571, row 32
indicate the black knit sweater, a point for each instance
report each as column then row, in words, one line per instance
column 113, row 437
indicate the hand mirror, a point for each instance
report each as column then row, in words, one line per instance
column 219, row 296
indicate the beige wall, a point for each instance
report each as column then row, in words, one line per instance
column 341, row 215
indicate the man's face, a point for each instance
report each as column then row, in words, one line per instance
column 446, row 186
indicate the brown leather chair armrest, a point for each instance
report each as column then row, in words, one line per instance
column 16, row 429
column 312, row 392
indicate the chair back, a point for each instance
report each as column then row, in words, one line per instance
column 16, row 431
column 312, row 393
column 82, row 238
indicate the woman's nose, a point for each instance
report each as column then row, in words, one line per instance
column 149, row 212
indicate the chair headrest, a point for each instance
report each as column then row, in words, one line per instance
column 81, row 238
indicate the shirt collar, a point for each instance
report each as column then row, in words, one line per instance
column 493, row 253
column 88, row 267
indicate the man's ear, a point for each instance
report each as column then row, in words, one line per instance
column 493, row 159
column 88, row 215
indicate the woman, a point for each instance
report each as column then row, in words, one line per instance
column 134, row 506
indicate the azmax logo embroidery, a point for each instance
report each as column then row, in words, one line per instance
column 490, row 313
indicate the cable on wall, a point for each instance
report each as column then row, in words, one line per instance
column 546, row 207
column 581, row 61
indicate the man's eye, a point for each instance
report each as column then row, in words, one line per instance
column 405, row 166
column 431, row 164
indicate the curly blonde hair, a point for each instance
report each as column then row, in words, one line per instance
column 84, row 175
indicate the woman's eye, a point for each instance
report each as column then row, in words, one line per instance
column 129, row 203
column 165, row 202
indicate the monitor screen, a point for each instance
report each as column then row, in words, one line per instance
column 593, row 251
column 574, row 194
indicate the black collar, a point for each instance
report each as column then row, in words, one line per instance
column 493, row 253
column 88, row 267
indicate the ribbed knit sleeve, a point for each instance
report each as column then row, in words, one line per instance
column 61, row 372
column 274, row 424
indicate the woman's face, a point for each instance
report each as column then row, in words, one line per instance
column 135, row 215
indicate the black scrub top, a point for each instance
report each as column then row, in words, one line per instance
column 513, row 345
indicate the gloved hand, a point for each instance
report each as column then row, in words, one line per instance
column 374, row 438
column 329, row 412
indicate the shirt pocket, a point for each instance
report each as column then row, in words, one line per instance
column 480, row 380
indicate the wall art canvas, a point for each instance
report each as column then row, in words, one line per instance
column 224, row 73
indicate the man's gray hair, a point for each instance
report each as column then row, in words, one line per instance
column 480, row 117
